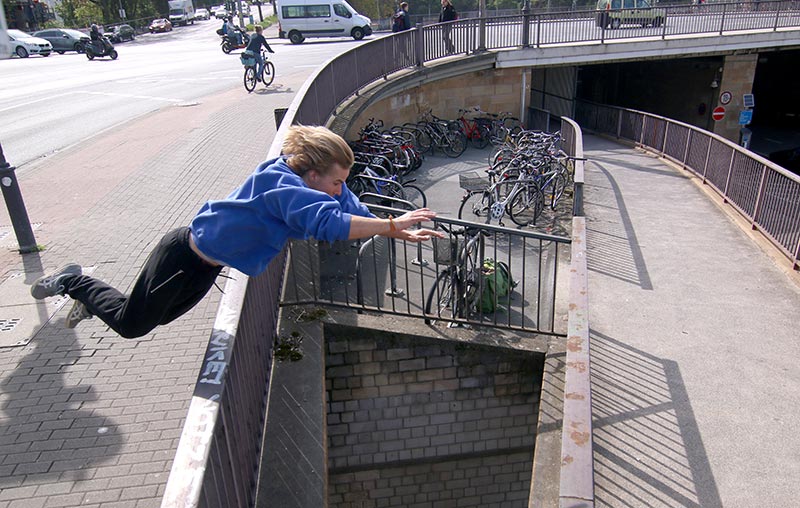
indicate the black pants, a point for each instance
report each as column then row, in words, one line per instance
column 174, row 279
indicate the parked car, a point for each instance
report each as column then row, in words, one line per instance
column 220, row 12
column 160, row 25
column 64, row 39
column 213, row 10
column 615, row 13
column 23, row 44
column 202, row 14
column 121, row 33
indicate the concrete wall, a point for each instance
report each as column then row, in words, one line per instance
column 396, row 403
column 494, row 90
column 738, row 74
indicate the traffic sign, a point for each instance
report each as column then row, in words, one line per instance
column 718, row 113
column 725, row 98
column 748, row 100
column 745, row 117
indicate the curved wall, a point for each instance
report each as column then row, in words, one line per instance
column 494, row 90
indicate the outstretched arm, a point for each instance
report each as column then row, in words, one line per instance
column 364, row 227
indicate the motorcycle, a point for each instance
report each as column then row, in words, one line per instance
column 93, row 49
column 230, row 42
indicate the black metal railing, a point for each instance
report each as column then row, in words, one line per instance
column 398, row 277
column 765, row 193
column 219, row 450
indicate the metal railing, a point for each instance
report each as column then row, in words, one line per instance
column 219, row 450
column 398, row 277
column 584, row 26
column 345, row 75
column 763, row 192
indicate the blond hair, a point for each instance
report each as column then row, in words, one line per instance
column 315, row 148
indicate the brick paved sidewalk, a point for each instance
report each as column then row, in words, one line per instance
column 86, row 417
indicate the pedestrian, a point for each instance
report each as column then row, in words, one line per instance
column 447, row 15
column 299, row 195
column 401, row 21
column 254, row 46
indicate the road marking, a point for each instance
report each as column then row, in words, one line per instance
column 148, row 97
column 24, row 104
column 110, row 94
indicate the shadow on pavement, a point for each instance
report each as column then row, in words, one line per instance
column 610, row 232
column 647, row 447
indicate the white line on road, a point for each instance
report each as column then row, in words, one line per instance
column 109, row 94
column 23, row 104
column 149, row 97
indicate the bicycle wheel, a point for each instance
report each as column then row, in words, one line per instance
column 415, row 196
column 554, row 190
column 268, row 74
column 249, row 78
column 480, row 137
column 475, row 207
column 444, row 293
column 526, row 205
column 455, row 143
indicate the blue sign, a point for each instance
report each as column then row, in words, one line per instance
column 745, row 117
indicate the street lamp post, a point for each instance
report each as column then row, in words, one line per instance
column 16, row 206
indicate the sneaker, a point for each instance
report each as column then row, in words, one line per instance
column 53, row 284
column 77, row 314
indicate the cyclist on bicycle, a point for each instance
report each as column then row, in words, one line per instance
column 255, row 48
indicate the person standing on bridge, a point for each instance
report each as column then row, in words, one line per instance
column 448, row 14
column 299, row 195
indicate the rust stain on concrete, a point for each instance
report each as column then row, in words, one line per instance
column 579, row 366
column 579, row 438
column 574, row 396
column 575, row 343
column 567, row 459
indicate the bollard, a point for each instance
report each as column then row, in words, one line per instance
column 16, row 207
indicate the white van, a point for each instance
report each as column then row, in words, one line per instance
column 298, row 19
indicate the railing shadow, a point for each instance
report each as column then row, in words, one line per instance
column 647, row 447
column 610, row 232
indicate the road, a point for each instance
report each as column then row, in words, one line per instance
column 51, row 103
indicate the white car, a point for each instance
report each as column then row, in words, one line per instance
column 201, row 14
column 220, row 12
column 23, row 44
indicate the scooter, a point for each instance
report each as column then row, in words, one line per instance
column 230, row 42
column 93, row 50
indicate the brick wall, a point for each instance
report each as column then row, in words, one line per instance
column 396, row 401
column 501, row 481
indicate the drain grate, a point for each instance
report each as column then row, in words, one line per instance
column 8, row 325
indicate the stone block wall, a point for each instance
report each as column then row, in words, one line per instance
column 501, row 481
column 494, row 90
column 397, row 402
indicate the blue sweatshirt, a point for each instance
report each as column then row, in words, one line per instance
column 249, row 227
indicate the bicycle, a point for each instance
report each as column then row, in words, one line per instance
column 368, row 181
column 503, row 194
column 459, row 285
column 267, row 75
column 476, row 132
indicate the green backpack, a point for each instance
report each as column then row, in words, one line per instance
column 497, row 285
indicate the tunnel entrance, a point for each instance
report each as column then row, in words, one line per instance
column 413, row 421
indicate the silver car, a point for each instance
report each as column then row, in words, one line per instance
column 64, row 39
